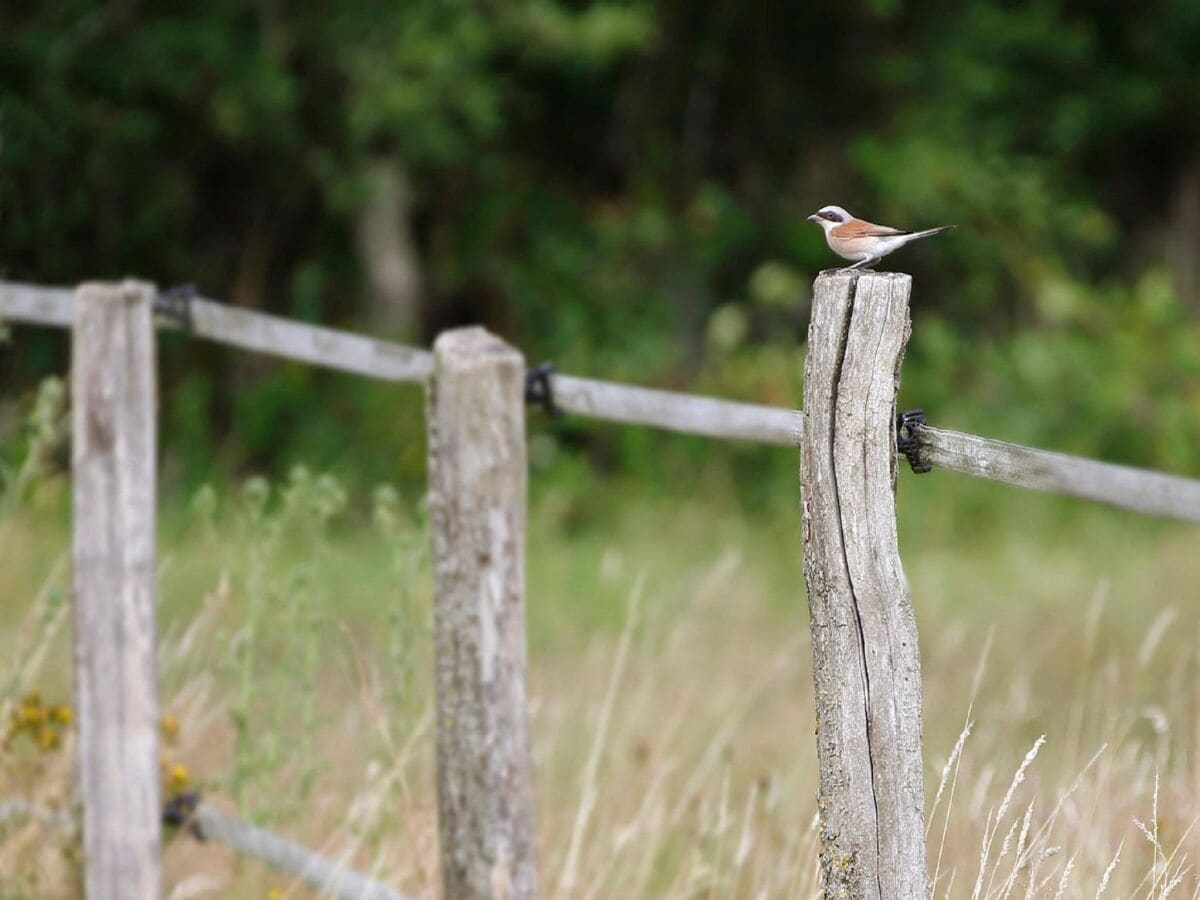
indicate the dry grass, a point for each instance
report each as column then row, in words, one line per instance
column 670, row 691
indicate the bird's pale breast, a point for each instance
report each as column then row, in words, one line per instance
column 851, row 247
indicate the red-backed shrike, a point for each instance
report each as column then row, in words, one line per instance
column 860, row 240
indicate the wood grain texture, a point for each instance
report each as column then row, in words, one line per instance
column 477, row 491
column 330, row 877
column 329, row 348
column 302, row 342
column 35, row 305
column 865, row 653
column 114, row 436
column 1137, row 490
column 685, row 413
column 846, row 799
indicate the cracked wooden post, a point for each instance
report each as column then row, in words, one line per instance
column 116, row 691
column 865, row 655
column 477, row 486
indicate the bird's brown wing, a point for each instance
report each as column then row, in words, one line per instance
column 859, row 228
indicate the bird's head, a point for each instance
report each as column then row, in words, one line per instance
column 830, row 217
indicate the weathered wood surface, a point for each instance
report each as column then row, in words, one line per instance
column 330, row 877
column 477, row 491
column 35, row 305
column 114, row 436
column 347, row 352
column 302, row 342
column 865, row 654
column 270, row 335
column 685, row 413
column 1138, row 490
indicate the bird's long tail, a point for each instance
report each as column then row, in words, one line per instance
column 917, row 235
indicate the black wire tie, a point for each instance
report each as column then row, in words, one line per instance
column 539, row 390
column 908, row 428
column 175, row 305
column 179, row 811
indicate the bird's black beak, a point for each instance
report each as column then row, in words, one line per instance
column 814, row 218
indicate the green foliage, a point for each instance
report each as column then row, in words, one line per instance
column 1053, row 132
column 622, row 186
column 1112, row 372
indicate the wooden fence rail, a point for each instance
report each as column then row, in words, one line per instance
column 1124, row 487
column 1137, row 490
column 246, row 329
column 328, row 875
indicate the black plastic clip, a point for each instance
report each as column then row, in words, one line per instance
column 539, row 389
column 178, row 812
column 908, row 427
column 175, row 305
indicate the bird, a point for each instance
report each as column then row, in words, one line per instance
column 863, row 241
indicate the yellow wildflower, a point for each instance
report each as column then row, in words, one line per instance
column 31, row 716
column 47, row 738
column 178, row 777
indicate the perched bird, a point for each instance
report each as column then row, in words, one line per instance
column 860, row 240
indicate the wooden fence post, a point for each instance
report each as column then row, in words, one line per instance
column 477, row 487
column 114, row 436
column 865, row 654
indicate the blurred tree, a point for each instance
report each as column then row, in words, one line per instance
column 1065, row 134
column 617, row 183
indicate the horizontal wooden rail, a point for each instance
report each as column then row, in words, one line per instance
column 684, row 413
column 347, row 352
column 247, row 329
column 330, row 877
column 35, row 305
column 283, row 854
column 20, row 811
column 1138, row 490
column 341, row 350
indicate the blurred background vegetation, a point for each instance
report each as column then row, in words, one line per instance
column 620, row 187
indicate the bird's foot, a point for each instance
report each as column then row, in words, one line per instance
column 863, row 264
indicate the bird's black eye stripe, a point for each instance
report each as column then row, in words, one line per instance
column 831, row 216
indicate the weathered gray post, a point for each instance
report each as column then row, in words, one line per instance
column 114, row 436
column 865, row 655
column 477, row 487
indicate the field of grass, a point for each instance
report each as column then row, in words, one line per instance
column 670, row 686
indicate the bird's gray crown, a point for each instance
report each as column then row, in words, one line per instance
column 834, row 214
